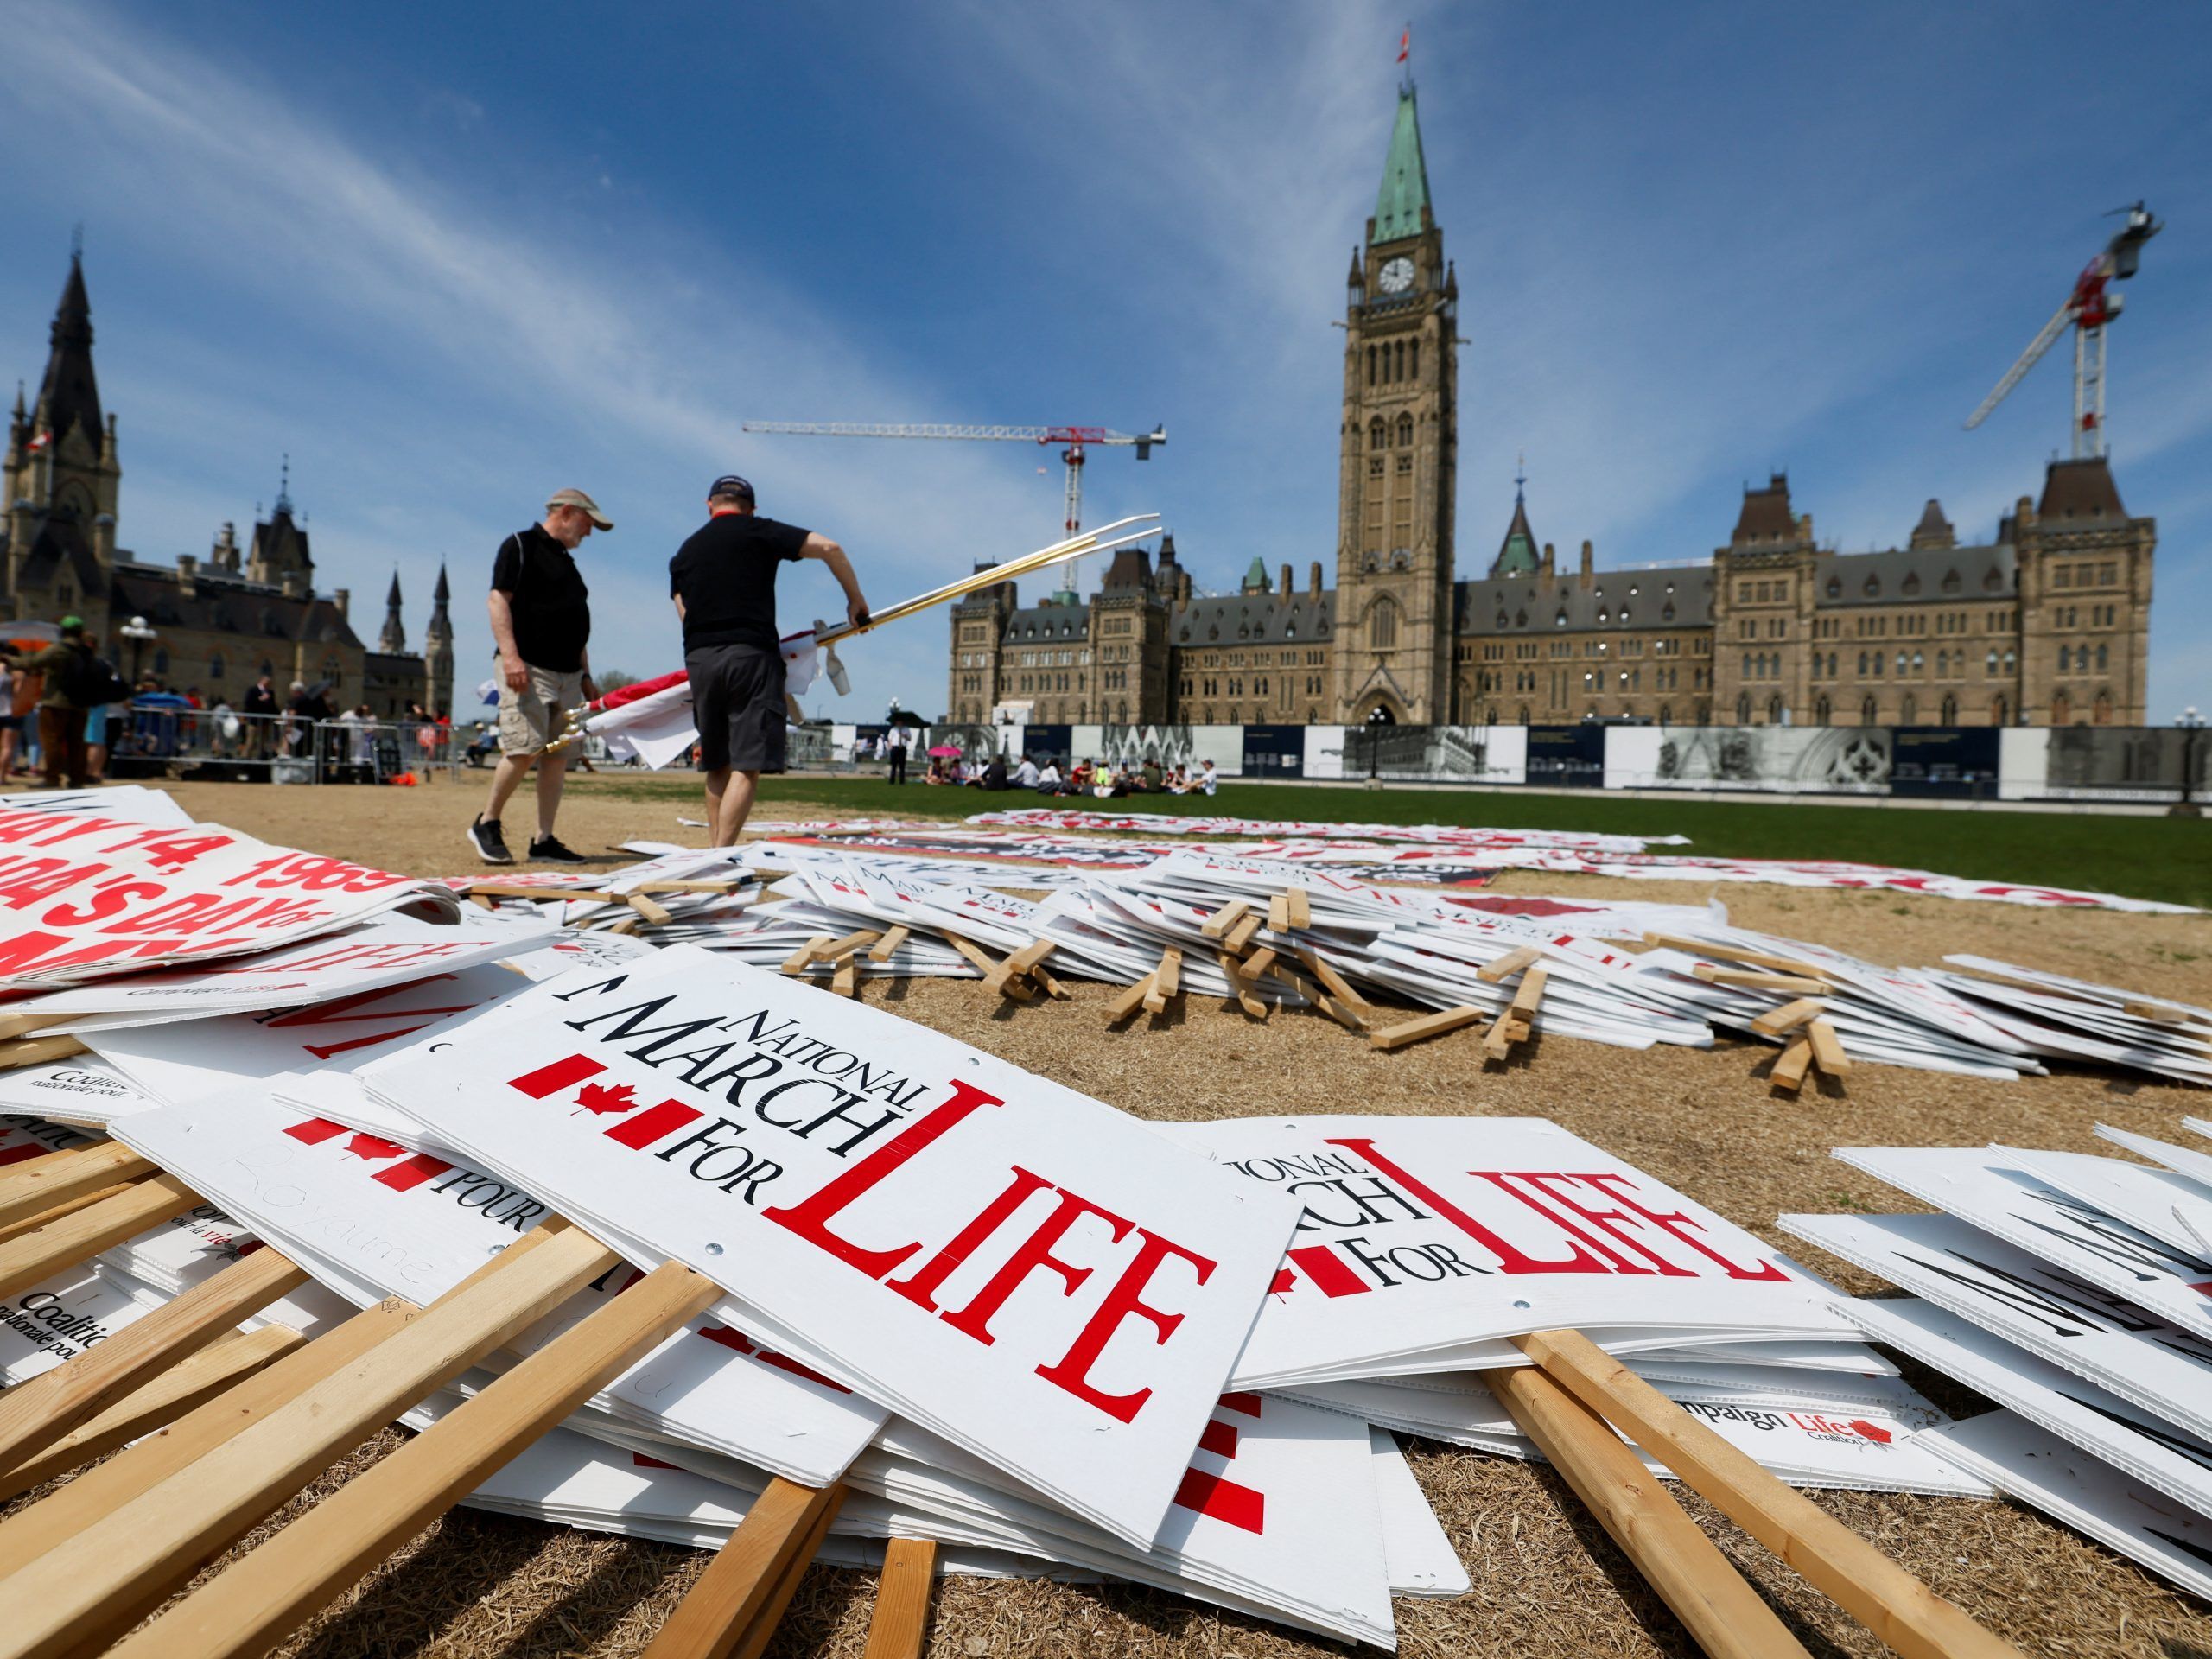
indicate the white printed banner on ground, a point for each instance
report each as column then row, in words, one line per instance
column 86, row 896
column 1977, row 1186
column 1030, row 1272
column 2051, row 1312
column 2172, row 1208
column 2089, row 1495
column 132, row 801
column 370, row 1218
column 81, row 1090
column 1429, row 1233
column 2131, row 1440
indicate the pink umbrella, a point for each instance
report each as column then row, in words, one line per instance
column 945, row 752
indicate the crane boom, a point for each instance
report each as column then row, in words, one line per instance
column 1075, row 437
column 2042, row 343
column 2093, row 304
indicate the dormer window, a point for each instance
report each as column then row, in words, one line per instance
column 1874, row 587
column 1836, row 588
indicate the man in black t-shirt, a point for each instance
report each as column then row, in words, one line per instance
column 541, row 622
column 723, row 581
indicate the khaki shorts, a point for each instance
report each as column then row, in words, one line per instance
column 530, row 720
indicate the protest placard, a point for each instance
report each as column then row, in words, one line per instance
column 1978, row 1186
column 2052, row 1313
column 1023, row 1269
column 87, row 896
column 1426, row 1234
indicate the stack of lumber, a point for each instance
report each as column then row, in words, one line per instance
column 2070, row 1289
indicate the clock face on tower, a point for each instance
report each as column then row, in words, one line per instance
column 1396, row 276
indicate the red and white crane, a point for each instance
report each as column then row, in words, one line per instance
column 2093, row 304
column 1075, row 437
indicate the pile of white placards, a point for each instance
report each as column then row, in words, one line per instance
column 2072, row 1290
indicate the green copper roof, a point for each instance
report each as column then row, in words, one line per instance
column 1255, row 579
column 1517, row 555
column 1405, row 177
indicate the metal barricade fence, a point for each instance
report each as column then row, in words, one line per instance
column 159, row 738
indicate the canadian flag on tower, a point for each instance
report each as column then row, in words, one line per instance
column 1406, row 44
column 38, row 442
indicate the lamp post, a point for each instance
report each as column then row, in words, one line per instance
column 2192, row 725
column 1377, row 718
column 137, row 632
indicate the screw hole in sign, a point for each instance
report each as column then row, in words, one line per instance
column 713, row 1250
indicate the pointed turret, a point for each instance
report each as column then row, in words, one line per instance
column 393, row 641
column 437, row 649
column 1401, row 205
column 69, row 397
column 1255, row 579
column 1516, row 554
column 1934, row 530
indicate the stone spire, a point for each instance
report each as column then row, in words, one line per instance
column 69, row 397
column 437, row 648
column 393, row 641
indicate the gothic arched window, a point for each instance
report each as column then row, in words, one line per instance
column 1382, row 625
column 1950, row 711
column 1370, row 365
column 1414, row 364
column 1399, row 372
column 1379, row 436
column 1405, row 431
column 1868, row 714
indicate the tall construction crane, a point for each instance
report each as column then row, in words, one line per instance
column 1075, row 437
column 2093, row 304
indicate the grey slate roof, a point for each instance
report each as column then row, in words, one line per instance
column 1900, row 575
column 1616, row 599
column 1253, row 619
column 226, row 605
column 1048, row 621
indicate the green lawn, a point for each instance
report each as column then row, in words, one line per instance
column 2163, row 858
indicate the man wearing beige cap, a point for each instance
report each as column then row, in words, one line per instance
column 541, row 622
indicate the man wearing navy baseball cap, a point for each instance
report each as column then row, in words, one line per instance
column 723, row 581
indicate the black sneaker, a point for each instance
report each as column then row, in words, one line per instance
column 547, row 850
column 490, row 842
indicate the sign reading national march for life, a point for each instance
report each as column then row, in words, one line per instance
column 1422, row 1239
column 1028, row 1272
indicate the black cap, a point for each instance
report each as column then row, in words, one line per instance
column 730, row 483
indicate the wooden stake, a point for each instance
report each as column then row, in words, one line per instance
column 98, row 1583
column 1725, row 1615
column 1302, row 909
column 1257, row 963
column 40, row 1183
column 22, row 1024
column 1125, row 1004
column 40, row 1411
column 981, row 960
column 256, row 1602
column 902, row 1618
column 845, row 982
column 1751, row 979
column 1781, row 1022
column 1827, row 1049
column 1492, row 973
column 1238, row 939
column 1873, row 1589
column 892, row 939
column 184, row 1387
column 2157, row 1012
column 1788, row 1071
column 802, row 958
column 652, row 909
column 1278, row 914
column 31, row 1256
column 1224, row 918
column 1429, row 1025
column 713, row 1616
column 37, row 1051
column 31, row 1224
column 1170, row 971
column 762, row 1630
column 1318, row 965
column 1713, row 951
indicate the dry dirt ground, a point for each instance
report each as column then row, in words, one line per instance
column 1547, row 1581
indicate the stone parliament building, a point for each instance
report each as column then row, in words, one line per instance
column 2046, row 624
column 218, row 620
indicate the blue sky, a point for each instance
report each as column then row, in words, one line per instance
column 451, row 257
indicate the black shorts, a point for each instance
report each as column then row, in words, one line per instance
column 737, row 700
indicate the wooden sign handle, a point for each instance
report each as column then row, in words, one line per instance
column 42, row 1410
column 1867, row 1583
column 43, row 1183
column 1728, row 1616
column 902, row 1620
column 256, row 1603
column 720, row 1608
column 29, row 1257
column 101, row 1580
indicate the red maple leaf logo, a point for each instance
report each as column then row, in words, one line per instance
column 1879, row 1436
column 598, row 1097
column 370, row 1146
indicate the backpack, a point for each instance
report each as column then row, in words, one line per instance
column 88, row 681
